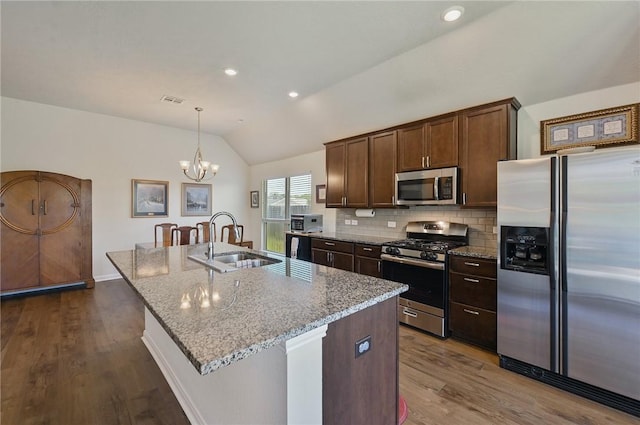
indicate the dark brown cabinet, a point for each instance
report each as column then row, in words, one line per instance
column 472, row 295
column 45, row 230
column 432, row 144
column 347, row 165
column 382, row 169
column 487, row 135
column 368, row 260
column 332, row 253
column 363, row 389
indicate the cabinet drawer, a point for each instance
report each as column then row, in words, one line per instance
column 473, row 324
column 474, row 266
column 332, row 245
column 372, row 251
column 473, row 290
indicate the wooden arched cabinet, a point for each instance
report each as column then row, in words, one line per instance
column 45, row 237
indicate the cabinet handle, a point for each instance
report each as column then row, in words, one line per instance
column 423, row 162
column 379, row 262
column 471, row 264
column 330, row 244
column 409, row 313
column 367, row 249
column 475, row 313
column 44, row 207
column 428, row 162
column 331, row 258
column 468, row 279
column 464, row 199
column 33, row 207
column 393, row 200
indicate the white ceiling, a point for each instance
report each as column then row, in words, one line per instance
column 358, row 66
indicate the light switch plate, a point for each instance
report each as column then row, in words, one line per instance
column 354, row 222
column 391, row 224
column 347, row 222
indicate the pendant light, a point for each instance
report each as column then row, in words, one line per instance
column 197, row 171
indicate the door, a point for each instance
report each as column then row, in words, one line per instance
column 61, row 230
column 442, row 142
column 19, row 203
column 527, row 308
column 336, row 160
column 357, row 173
column 602, row 282
column 411, row 147
column 382, row 169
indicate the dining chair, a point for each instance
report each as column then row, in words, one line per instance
column 182, row 235
column 231, row 235
column 203, row 228
column 166, row 233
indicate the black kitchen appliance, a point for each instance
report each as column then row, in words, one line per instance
column 298, row 246
column 420, row 261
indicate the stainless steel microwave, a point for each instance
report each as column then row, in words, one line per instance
column 306, row 223
column 427, row 187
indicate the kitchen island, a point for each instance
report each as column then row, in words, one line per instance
column 272, row 344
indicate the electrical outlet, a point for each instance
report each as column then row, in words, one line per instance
column 391, row 224
column 354, row 222
column 363, row 346
column 347, row 222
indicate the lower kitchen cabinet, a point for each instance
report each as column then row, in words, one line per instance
column 472, row 296
column 368, row 260
column 332, row 253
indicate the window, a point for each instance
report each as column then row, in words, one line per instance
column 282, row 197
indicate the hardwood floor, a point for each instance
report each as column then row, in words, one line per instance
column 76, row 358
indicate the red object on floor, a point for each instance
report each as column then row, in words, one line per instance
column 403, row 410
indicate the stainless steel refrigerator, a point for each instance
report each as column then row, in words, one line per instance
column 569, row 272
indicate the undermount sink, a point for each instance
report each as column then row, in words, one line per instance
column 231, row 261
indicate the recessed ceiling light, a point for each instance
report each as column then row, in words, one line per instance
column 293, row 94
column 453, row 13
column 230, row 72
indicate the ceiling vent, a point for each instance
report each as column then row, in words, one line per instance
column 171, row 99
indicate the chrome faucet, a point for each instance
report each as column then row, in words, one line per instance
column 212, row 234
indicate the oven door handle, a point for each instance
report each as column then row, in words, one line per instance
column 412, row 262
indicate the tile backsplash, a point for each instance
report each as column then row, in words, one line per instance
column 481, row 222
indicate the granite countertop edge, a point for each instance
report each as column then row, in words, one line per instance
column 475, row 252
column 346, row 237
column 264, row 345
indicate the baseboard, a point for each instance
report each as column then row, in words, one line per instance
column 105, row 277
column 178, row 390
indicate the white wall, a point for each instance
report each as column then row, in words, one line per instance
column 529, row 117
column 313, row 163
column 111, row 151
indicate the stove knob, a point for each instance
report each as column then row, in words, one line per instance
column 393, row 251
column 425, row 255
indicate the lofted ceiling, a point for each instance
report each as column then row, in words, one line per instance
column 358, row 66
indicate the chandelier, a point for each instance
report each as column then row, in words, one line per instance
column 197, row 171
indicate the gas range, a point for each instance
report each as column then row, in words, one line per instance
column 427, row 240
column 420, row 262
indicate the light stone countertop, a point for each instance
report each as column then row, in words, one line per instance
column 250, row 309
column 475, row 252
column 347, row 237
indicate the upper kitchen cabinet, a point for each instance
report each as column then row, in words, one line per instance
column 347, row 164
column 382, row 169
column 487, row 135
column 431, row 144
column 46, row 230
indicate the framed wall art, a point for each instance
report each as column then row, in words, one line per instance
column 149, row 198
column 196, row 199
column 603, row 128
column 255, row 199
column 321, row 194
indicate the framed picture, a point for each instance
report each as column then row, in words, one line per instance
column 149, row 198
column 196, row 199
column 603, row 128
column 321, row 194
column 255, row 199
